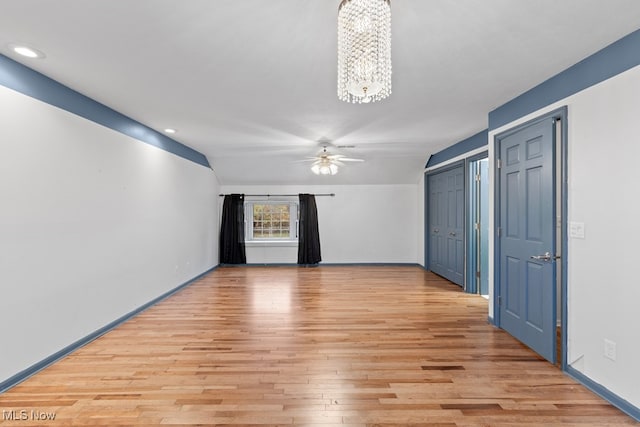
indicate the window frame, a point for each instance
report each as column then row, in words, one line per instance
column 249, row 237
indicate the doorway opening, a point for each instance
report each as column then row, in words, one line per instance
column 478, row 225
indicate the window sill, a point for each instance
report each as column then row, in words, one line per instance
column 271, row 243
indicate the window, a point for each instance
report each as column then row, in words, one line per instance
column 271, row 221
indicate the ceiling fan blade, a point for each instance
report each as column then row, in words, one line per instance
column 338, row 156
column 325, row 157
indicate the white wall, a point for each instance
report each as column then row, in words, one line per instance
column 361, row 224
column 603, row 285
column 93, row 224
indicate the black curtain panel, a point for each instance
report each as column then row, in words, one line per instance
column 232, row 230
column 308, row 235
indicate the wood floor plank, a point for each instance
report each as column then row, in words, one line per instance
column 349, row 346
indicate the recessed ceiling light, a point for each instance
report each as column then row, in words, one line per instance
column 169, row 130
column 27, row 51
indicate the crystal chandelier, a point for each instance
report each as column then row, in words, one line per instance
column 364, row 50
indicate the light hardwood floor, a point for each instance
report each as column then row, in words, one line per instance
column 310, row 346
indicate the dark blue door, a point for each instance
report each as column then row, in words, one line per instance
column 455, row 226
column 437, row 212
column 446, row 224
column 527, row 295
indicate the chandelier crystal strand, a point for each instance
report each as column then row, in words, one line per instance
column 364, row 50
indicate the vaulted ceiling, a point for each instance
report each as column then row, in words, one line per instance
column 252, row 83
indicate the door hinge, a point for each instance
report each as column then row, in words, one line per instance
column 499, row 163
column 499, row 231
column 477, row 274
column 499, row 300
column 476, row 226
column 478, row 178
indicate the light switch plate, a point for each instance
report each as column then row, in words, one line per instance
column 610, row 349
column 576, row 230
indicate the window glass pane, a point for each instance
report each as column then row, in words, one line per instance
column 271, row 220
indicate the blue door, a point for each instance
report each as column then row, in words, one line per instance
column 527, row 297
column 455, row 226
column 437, row 212
column 446, row 224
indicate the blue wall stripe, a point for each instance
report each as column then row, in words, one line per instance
column 614, row 59
column 476, row 141
column 37, row 367
column 36, row 85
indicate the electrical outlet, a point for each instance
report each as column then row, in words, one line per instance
column 609, row 349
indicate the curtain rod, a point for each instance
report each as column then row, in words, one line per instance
column 279, row 195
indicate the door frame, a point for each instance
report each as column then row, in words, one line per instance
column 471, row 282
column 561, row 184
column 427, row 216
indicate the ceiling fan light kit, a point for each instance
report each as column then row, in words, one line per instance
column 324, row 167
column 325, row 163
column 364, row 50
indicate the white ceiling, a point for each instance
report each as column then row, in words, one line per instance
column 252, row 83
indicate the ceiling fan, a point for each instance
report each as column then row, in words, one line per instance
column 325, row 163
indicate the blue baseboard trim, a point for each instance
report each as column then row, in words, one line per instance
column 36, row 85
column 603, row 392
column 370, row 264
column 39, row 366
column 275, row 264
column 330, row 264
